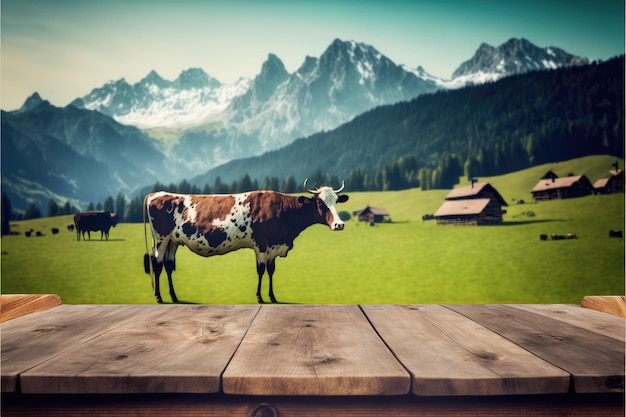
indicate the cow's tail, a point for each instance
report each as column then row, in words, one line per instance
column 147, row 261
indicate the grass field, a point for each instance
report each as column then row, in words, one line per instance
column 407, row 261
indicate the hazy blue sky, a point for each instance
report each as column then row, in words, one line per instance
column 64, row 48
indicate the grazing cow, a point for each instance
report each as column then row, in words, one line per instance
column 543, row 237
column 93, row 221
column 265, row 221
column 54, row 230
column 70, row 227
column 616, row 233
column 572, row 236
column 557, row 237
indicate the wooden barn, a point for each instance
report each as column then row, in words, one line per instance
column 372, row 215
column 477, row 204
column 568, row 187
column 611, row 185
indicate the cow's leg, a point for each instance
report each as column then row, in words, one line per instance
column 271, row 267
column 170, row 266
column 157, row 267
column 77, row 234
column 169, row 262
column 260, row 269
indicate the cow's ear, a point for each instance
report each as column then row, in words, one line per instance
column 342, row 198
column 304, row 200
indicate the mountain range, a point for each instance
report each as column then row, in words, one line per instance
column 432, row 140
column 160, row 130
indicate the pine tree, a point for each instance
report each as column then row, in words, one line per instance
column 120, row 205
column 109, row 205
column 53, row 208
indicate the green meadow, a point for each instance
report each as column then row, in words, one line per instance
column 405, row 261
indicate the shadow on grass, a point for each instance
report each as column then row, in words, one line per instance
column 521, row 222
column 103, row 240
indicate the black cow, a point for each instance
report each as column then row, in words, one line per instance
column 616, row 233
column 93, row 221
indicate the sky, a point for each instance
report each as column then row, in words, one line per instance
column 62, row 49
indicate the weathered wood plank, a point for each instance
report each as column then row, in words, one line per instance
column 592, row 320
column 615, row 305
column 449, row 354
column 17, row 305
column 313, row 350
column 174, row 348
column 595, row 361
column 32, row 339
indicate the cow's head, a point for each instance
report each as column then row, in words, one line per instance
column 325, row 200
column 114, row 219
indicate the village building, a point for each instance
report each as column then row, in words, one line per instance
column 477, row 204
column 567, row 187
column 611, row 185
column 372, row 215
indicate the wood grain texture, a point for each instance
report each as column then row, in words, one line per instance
column 615, row 305
column 174, row 348
column 32, row 339
column 449, row 354
column 313, row 350
column 17, row 305
column 594, row 321
column 595, row 361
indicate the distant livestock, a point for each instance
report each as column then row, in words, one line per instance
column 554, row 236
column 70, row 227
column 543, row 237
column 265, row 221
column 616, row 233
column 54, row 230
column 94, row 221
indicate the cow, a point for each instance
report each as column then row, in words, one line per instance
column 616, row 233
column 70, row 227
column 543, row 237
column 265, row 221
column 94, row 221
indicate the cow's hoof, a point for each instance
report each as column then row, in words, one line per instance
column 260, row 300
column 159, row 300
column 273, row 300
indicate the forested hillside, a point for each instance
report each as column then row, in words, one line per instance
column 499, row 127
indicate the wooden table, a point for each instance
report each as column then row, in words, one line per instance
column 284, row 360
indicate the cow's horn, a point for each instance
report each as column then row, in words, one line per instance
column 343, row 185
column 308, row 189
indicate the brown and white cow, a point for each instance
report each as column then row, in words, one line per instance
column 265, row 221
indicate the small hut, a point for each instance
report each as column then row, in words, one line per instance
column 372, row 215
column 611, row 185
column 549, row 175
column 567, row 187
